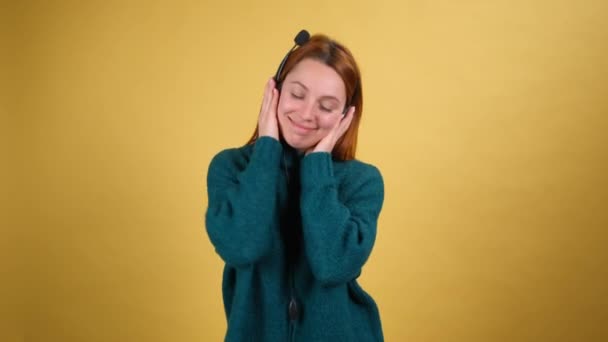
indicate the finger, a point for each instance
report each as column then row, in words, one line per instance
column 272, row 110
column 335, row 130
column 266, row 99
column 346, row 121
column 274, row 103
column 334, row 133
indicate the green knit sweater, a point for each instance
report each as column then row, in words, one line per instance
column 294, row 232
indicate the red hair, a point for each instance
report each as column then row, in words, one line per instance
column 335, row 55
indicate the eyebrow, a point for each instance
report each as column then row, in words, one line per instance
column 322, row 97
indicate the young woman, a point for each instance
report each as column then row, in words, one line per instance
column 293, row 214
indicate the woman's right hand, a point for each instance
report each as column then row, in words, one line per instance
column 267, row 122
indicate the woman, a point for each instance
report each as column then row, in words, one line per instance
column 293, row 214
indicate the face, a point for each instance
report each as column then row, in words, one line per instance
column 312, row 99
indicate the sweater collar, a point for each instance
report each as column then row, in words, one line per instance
column 291, row 156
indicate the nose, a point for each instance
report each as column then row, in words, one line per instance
column 307, row 112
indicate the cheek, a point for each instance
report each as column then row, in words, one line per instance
column 281, row 111
column 285, row 104
column 327, row 123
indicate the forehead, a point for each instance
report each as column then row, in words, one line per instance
column 318, row 78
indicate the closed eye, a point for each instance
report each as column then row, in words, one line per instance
column 325, row 109
column 296, row 96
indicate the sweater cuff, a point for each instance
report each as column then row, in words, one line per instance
column 267, row 150
column 317, row 170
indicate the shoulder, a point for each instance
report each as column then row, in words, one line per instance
column 234, row 157
column 356, row 178
column 360, row 184
column 237, row 158
column 355, row 169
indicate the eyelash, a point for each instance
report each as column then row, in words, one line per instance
column 327, row 110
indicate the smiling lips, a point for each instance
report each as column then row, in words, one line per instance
column 301, row 128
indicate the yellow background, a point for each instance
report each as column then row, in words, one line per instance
column 488, row 120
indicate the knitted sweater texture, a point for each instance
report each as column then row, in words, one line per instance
column 294, row 232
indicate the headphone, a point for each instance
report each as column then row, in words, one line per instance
column 300, row 39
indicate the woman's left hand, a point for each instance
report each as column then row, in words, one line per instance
column 329, row 141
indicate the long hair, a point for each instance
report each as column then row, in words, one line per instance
column 339, row 58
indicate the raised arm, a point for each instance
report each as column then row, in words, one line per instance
column 242, row 218
column 339, row 229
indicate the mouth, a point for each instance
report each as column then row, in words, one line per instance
column 301, row 128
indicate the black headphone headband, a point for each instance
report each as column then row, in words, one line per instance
column 300, row 39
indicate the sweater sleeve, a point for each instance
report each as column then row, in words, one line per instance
column 242, row 213
column 339, row 231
